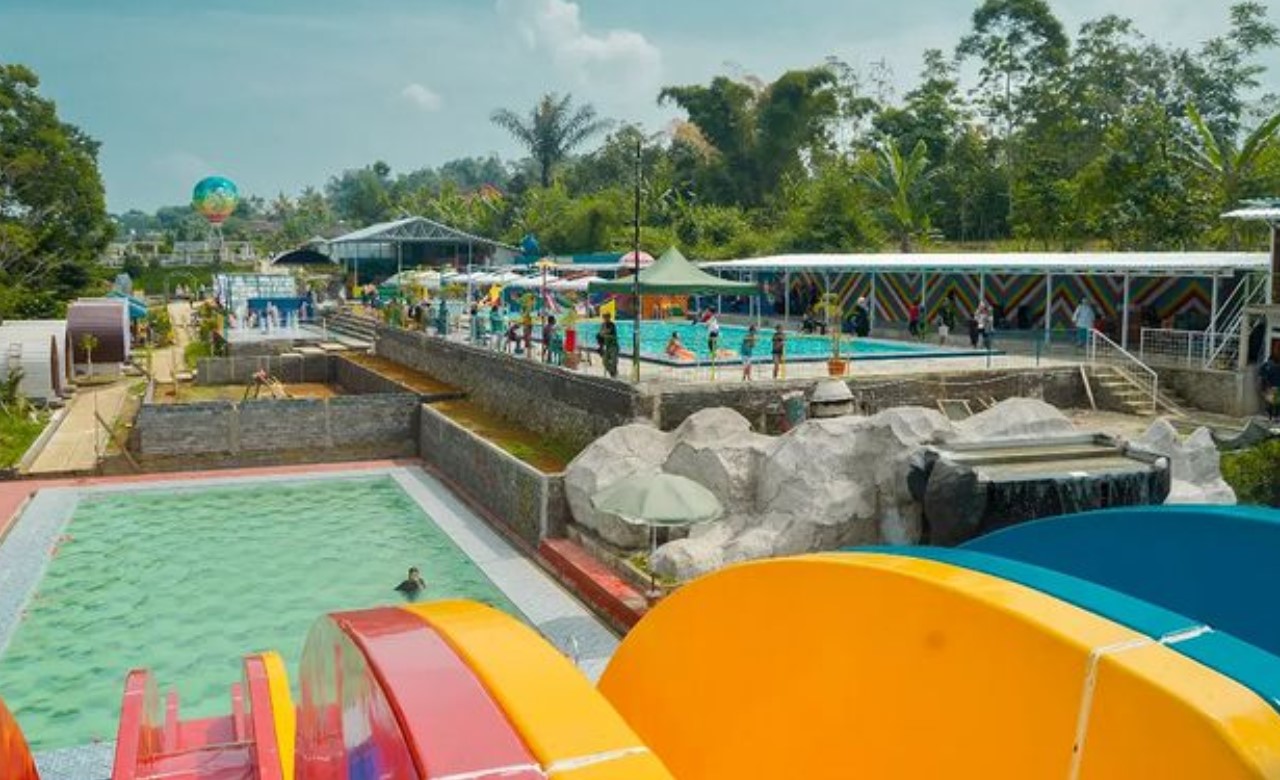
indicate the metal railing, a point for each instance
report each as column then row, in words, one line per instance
column 1224, row 349
column 1188, row 348
column 1105, row 352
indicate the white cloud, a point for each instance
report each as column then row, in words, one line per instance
column 615, row 57
column 423, row 98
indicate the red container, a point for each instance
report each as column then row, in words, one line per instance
column 570, row 340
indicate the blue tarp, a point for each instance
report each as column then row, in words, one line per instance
column 137, row 307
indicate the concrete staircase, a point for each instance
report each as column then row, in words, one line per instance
column 1117, row 390
column 352, row 330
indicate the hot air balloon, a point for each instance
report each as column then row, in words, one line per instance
column 215, row 198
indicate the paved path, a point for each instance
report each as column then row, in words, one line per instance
column 164, row 359
column 74, row 447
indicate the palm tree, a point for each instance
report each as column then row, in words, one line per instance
column 552, row 130
column 1227, row 169
column 897, row 180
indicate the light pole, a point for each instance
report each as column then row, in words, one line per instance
column 635, row 255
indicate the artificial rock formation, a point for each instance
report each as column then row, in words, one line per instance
column 1194, row 462
column 826, row 484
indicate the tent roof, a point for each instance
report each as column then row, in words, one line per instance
column 1157, row 264
column 415, row 230
column 672, row 274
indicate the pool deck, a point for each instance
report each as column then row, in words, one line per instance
column 46, row 505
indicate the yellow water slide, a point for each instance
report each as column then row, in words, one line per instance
column 860, row 665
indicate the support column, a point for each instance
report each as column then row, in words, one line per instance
column 1213, row 317
column 786, row 299
column 1048, row 306
column 1124, row 311
column 871, row 313
column 982, row 286
column 1273, row 288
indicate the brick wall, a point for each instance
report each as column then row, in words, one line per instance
column 758, row 402
column 260, row 431
column 543, row 398
column 527, row 501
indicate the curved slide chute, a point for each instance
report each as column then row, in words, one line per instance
column 571, row 729
column 16, row 762
column 1257, row 670
column 854, row 664
column 1215, row 564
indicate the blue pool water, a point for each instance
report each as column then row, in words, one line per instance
column 799, row 347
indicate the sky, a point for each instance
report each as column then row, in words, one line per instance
column 282, row 94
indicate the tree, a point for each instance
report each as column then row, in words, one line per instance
column 362, row 196
column 898, row 181
column 761, row 134
column 1226, row 169
column 1217, row 77
column 552, row 130
column 53, row 218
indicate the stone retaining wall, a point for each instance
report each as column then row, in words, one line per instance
column 529, row 502
column 256, row 431
column 1223, row 392
column 290, row 369
column 758, row 402
column 546, row 399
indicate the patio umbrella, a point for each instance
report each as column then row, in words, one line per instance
column 659, row 500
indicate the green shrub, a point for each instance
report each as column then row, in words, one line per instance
column 1255, row 474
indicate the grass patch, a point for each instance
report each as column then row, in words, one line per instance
column 544, row 453
column 16, row 434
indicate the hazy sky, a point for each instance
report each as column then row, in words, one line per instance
column 279, row 94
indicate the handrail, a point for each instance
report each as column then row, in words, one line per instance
column 1248, row 297
column 1104, row 351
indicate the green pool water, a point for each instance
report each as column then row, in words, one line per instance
column 187, row 581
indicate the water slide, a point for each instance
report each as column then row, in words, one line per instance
column 253, row 742
column 911, row 662
column 1216, row 564
column 870, row 665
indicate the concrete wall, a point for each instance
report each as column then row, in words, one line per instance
column 530, row 503
column 758, row 402
column 543, row 398
column 257, row 431
column 1224, row 392
column 290, row 369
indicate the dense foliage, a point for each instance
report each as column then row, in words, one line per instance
column 1255, row 474
column 53, row 218
column 1026, row 135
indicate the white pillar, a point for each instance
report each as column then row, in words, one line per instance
column 786, row 298
column 982, row 286
column 1124, row 314
column 1048, row 306
column 1213, row 316
column 871, row 315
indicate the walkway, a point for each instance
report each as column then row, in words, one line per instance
column 164, row 359
column 74, row 447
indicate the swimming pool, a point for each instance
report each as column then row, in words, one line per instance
column 799, row 347
column 187, row 580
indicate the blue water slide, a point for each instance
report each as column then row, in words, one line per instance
column 1231, row 657
column 1219, row 565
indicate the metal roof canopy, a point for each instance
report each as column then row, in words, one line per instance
column 1022, row 263
column 415, row 230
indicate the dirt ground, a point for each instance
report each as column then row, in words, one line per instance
column 415, row 380
column 1128, row 426
column 189, row 394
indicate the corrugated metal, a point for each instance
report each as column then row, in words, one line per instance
column 1171, row 264
column 37, row 355
column 105, row 318
column 55, row 328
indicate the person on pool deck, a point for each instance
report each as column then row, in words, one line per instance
column 748, row 352
column 779, row 346
column 607, row 341
column 713, row 333
column 413, row 585
column 676, row 348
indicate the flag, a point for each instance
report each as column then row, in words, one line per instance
column 495, row 292
column 610, row 308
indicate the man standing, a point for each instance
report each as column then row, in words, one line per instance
column 1269, row 383
column 1083, row 318
column 607, row 340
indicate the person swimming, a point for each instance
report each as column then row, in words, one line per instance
column 413, row 585
column 677, row 349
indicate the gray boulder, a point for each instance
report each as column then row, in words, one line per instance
column 1194, row 464
column 621, row 453
column 1015, row 418
column 717, row 449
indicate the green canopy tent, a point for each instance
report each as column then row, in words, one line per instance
column 671, row 274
